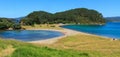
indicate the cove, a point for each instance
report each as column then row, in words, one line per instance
column 110, row 29
column 29, row 35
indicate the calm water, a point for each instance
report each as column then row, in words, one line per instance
column 111, row 29
column 29, row 35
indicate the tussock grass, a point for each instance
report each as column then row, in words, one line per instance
column 7, row 51
column 44, row 26
column 29, row 50
column 94, row 45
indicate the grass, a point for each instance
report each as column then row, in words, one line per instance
column 22, row 49
column 32, row 51
column 95, row 46
column 7, row 51
column 71, row 46
column 43, row 26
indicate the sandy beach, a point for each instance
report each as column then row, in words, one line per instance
column 66, row 32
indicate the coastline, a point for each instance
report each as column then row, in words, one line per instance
column 66, row 32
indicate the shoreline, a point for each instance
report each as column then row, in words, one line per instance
column 66, row 32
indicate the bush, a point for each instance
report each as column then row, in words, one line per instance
column 16, row 26
column 52, row 26
column 3, row 26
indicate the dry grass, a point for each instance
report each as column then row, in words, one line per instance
column 7, row 52
column 94, row 45
column 90, row 43
column 44, row 26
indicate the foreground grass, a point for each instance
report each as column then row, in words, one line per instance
column 95, row 46
column 71, row 46
column 22, row 49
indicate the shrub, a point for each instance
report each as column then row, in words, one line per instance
column 16, row 26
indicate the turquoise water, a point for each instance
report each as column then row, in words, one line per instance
column 111, row 29
column 29, row 35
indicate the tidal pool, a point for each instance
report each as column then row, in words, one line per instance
column 29, row 35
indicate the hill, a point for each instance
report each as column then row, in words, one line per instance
column 73, row 16
column 113, row 19
column 19, row 18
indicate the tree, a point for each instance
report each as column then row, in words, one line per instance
column 16, row 26
column 75, row 16
column 5, row 23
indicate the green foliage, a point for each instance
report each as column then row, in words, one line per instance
column 5, row 23
column 27, row 21
column 29, row 50
column 3, row 26
column 33, row 51
column 2, row 44
column 5, row 43
column 16, row 26
column 37, row 17
column 80, row 16
column 75, row 16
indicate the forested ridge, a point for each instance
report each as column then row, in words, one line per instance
column 73, row 16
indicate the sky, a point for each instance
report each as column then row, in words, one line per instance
column 20, row 8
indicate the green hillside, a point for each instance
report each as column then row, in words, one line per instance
column 11, row 48
column 74, row 16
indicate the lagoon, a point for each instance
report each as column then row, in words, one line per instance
column 29, row 35
column 110, row 29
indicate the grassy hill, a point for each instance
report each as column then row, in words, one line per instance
column 11, row 48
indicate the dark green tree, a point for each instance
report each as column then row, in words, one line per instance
column 74, row 16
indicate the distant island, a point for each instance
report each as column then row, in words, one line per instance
column 113, row 19
column 82, row 16
column 73, row 16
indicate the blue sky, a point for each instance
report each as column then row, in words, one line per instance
column 18, row 8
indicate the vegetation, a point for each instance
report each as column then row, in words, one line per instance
column 43, row 26
column 22, row 49
column 16, row 26
column 80, row 45
column 6, row 23
column 37, row 17
column 72, row 46
column 95, row 46
column 74, row 16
